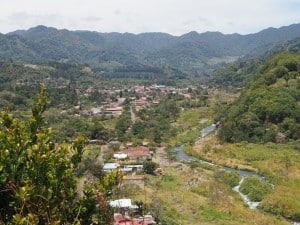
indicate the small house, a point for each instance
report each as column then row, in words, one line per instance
column 120, row 156
column 109, row 167
column 140, row 153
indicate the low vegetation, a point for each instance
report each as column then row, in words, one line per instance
column 232, row 179
column 283, row 200
column 255, row 188
column 279, row 163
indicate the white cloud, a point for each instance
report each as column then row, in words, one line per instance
column 172, row 16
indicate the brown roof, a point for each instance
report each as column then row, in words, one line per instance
column 137, row 151
column 123, row 220
column 114, row 109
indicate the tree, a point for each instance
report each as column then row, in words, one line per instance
column 149, row 167
column 37, row 177
column 37, row 181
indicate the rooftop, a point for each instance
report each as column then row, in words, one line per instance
column 110, row 166
column 137, row 151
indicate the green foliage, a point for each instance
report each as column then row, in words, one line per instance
column 149, row 167
column 255, row 188
column 21, row 83
column 284, row 201
column 155, row 124
column 78, row 148
column 213, row 214
column 230, row 178
column 93, row 208
column 147, row 56
column 237, row 74
column 109, row 181
column 267, row 105
column 122, row 125
column 167, row 221
column 37, row 179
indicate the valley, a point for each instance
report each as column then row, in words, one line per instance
column 109, row 128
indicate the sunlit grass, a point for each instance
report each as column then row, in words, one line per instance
column 278, row 162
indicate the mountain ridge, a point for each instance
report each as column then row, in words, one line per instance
column 191, row 52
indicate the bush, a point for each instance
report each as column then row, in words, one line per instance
column 230, row 178
column 149, row 167
column 255, row 188
column 284, row 201
column 38, row 177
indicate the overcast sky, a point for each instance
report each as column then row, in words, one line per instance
column 137, row 16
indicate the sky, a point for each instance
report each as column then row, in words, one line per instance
column 175, row 17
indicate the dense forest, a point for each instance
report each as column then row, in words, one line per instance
column 269, row 104
column 239, row 73
column 193, row 53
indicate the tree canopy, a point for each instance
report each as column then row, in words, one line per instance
column 38, row 177
column 268, row 105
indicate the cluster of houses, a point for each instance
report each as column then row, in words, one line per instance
column 129, row 161
column 121, row 215
column 143, row 96
column 114, row 109
column 144, row 91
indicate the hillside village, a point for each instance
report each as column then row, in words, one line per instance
column 149, row 129
column 129, row 162
column 127, row 158
column 139, row 97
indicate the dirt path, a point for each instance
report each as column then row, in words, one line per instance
column 162, row 158
column 164, row 161
column 133, row 116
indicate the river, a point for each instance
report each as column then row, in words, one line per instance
column 183, row 157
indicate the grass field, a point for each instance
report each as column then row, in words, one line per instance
column 189, row 195
column 279, row 163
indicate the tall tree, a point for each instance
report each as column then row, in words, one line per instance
column 38, row 178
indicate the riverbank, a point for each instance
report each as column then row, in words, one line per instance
column 189, row 194
column 279, row 163
column 183, row 157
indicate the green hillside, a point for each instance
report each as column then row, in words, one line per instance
column 19, row 82
column 192, row 53
column 269, row 106
column 239, row 73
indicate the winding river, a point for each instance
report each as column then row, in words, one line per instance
column 183, row 157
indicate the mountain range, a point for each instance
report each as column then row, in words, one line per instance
column 194, row 53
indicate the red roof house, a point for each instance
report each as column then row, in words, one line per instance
column 140, row 153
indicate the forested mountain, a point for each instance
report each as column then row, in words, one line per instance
column 192, row 52
column 240, row 72
column 19, row 83
column 269, row 105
